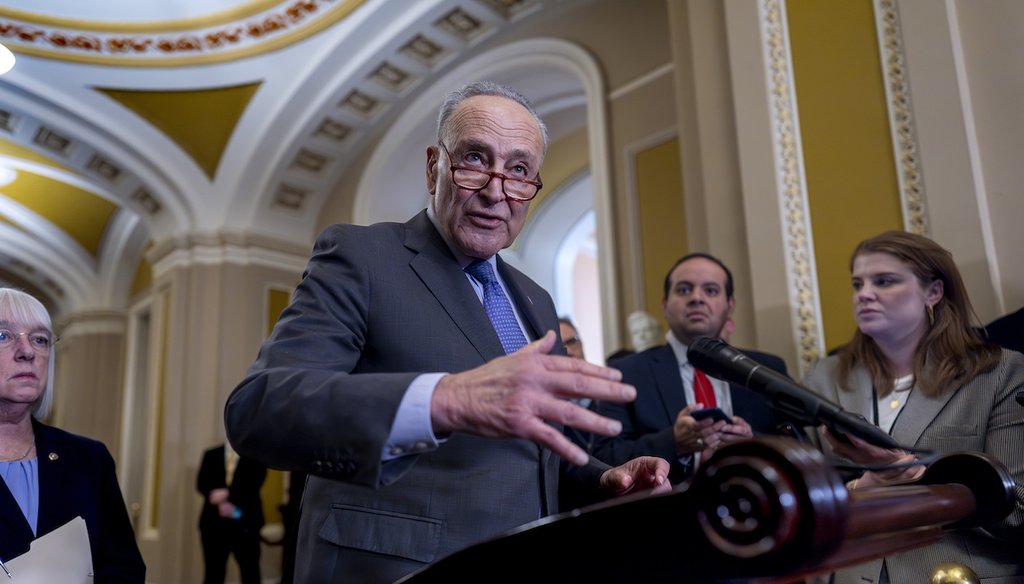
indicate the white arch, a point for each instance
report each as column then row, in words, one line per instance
column 519, row 64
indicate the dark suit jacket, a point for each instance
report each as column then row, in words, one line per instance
column 1007, row 331
column 376, row 307
column 980, row 415
column 244, row 491
column 76, row 478
column 647, row 422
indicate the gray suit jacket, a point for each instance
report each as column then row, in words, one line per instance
column 981, row 416
column 376, row 307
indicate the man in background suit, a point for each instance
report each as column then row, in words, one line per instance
column 698, row 301
column 232, row 514
column 401, row 378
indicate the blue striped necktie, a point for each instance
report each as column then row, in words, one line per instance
column 498, row 307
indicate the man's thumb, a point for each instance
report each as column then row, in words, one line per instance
column 541, row 345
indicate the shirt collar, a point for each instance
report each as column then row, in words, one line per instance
column 678, row 348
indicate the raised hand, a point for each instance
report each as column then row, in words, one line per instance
column 515, row 396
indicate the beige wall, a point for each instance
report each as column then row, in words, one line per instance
column 212, row 314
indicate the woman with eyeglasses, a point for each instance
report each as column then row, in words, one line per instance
column 918, row 370
column 50, row 476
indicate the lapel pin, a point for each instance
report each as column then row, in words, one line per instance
column 53, row 456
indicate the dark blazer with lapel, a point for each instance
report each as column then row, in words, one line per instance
column 647, row 422
column 76, row 478
column 376, row 307
column 244, row 491
column 980, row 415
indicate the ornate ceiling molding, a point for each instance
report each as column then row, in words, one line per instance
column 172, row 44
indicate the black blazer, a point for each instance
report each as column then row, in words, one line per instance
column 244, row 491
column 76, row 478
column 647, row 422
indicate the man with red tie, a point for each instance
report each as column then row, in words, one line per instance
column 698, row 301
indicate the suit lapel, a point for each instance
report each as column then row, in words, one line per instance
column 52, row 476
column 440, row 273
column 669, row 382
column 858, row 401
column 522, row 300
column 918, row 413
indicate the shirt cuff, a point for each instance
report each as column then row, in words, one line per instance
column 411, row 432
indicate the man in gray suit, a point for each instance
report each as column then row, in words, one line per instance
column 424, row 429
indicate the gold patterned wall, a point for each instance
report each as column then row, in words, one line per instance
column 663, row 237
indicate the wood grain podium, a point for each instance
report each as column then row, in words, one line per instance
column 767, row 510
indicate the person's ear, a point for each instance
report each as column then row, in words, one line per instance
column 433, row 161
column 935, row 292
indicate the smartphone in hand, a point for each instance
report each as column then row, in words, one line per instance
column 716, row 414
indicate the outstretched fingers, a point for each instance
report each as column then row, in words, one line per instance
column 549, row 437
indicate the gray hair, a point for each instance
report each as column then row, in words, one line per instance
column 24, row 309
column 453, row 99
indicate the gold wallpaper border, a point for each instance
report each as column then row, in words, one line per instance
column 901, row 117
column 801, row 277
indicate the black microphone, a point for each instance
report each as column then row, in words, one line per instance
column 801, row 405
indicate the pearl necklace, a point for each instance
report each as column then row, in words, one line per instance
column 31, row 445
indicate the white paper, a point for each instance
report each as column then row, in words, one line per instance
column 59, row 557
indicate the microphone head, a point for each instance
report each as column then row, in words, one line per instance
column 706, row 345
column 709, row 355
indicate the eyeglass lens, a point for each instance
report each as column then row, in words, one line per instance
column 475, row 179
column 40, row 341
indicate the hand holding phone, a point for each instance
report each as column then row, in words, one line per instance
column 716, row 414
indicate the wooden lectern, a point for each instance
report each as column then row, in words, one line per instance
column 767, row 510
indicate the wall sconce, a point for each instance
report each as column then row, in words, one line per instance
column 6, row 59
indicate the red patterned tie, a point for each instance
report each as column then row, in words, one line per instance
column 703, row 393
column 702, row 390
